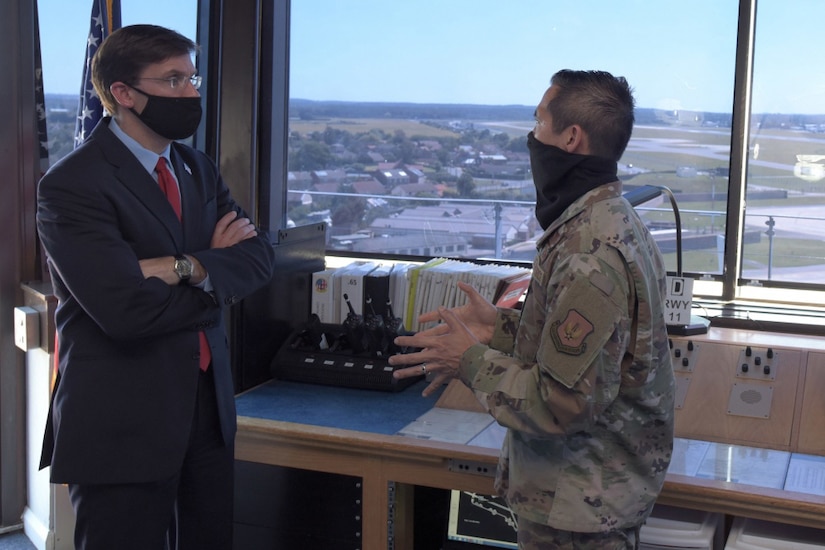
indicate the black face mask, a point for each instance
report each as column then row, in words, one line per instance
column 561, row 177
column 171, row 117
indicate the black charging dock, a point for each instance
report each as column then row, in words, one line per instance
column 341, row 355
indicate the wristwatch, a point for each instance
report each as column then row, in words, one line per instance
column 183, row 268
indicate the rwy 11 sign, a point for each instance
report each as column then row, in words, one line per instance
column 678, row 299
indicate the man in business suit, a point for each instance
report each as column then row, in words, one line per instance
column 142, row 422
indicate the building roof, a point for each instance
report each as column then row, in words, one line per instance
column 369, row 187
column 327, row 187
column 412, row 189
column 391, row 243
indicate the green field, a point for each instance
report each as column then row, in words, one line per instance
column 365, row 125
column 786, row 253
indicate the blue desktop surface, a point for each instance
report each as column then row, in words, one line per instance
column 369, row 411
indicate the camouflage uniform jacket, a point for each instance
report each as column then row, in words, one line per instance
column 582, row 378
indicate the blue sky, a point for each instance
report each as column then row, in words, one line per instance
column 676, row 54
column 64, row 26
column 489, row 51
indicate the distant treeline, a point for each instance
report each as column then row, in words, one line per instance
column 306, row 109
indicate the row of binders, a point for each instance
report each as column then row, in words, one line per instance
column 407, row 290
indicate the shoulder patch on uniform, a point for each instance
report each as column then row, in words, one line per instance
column 569, row 334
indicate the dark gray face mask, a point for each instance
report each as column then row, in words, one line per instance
column 561, row 177
column 171, row 117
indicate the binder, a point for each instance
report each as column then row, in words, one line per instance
column 351, row 284
column 377, row 288
column 323, row 295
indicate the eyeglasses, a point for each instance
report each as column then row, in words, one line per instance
column 179, row 82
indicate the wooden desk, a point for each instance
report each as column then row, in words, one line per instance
column 380, row 458
column 377, row 459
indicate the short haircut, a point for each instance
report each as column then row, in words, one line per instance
column 598, row 102
column 129, row 50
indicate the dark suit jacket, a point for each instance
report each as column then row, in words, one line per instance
column 124, row 400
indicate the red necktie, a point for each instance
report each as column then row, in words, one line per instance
column 168, row 185
column 170, row 188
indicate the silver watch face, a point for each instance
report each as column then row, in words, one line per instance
column 183, row 268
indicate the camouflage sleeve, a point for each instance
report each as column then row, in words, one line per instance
column 574, row 372
column 504, row 334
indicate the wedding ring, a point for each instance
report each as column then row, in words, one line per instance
column 424, row 368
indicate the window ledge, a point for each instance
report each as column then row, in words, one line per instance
column 762, row 317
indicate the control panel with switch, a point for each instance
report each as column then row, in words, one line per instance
column 736, row 391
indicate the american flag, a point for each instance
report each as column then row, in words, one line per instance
column 40, row 100
column 105, row 20
column 42, row 135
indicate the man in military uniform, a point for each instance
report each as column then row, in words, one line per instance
column 581, row 377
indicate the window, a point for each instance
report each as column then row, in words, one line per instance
column 426, row 126
column 419, row 132
column 784, row 222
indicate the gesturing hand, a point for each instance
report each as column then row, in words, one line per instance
column 478, row 314
column 441, row 349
